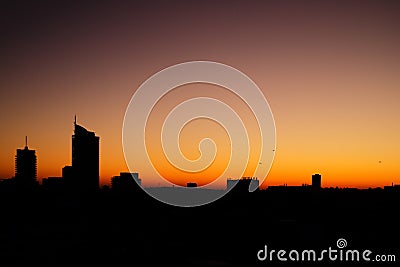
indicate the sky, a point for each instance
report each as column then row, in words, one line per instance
column 328, row 69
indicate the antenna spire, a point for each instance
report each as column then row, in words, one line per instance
column 26, row 141
column 75, row 119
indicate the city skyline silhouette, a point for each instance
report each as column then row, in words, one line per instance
column 85, row 163
column 328, row 71
column 83, row 173
column 327, row 79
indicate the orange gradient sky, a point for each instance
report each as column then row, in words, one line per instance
column 329, row 70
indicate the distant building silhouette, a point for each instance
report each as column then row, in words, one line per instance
column 25, row 166
column 242, row 185
column 392, row 188
column 85, row 160
column 289, row 188
column 315, row 185
column 316, row 181
column 191, row 184
column 126, row 181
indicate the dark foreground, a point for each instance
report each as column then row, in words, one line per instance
column 111, row 228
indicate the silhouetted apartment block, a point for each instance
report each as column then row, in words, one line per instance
column 126, row 181
column 25, row 166
column 316, row 181
column 85, row 159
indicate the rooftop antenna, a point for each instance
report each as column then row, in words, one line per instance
column 75, row 119
column 26, row 141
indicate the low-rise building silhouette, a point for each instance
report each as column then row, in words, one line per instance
column 245, row 184
column 288, row 188
column 392, row 188
column 191, row 184
column 126, row 181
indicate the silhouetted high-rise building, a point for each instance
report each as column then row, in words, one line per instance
column 85, row 159
column 25, row 165
column 316, row 181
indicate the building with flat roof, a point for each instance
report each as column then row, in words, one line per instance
column 316, row 181
column 126, row 181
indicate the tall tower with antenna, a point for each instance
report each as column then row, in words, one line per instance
column 85, row 158
column 25, row 165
